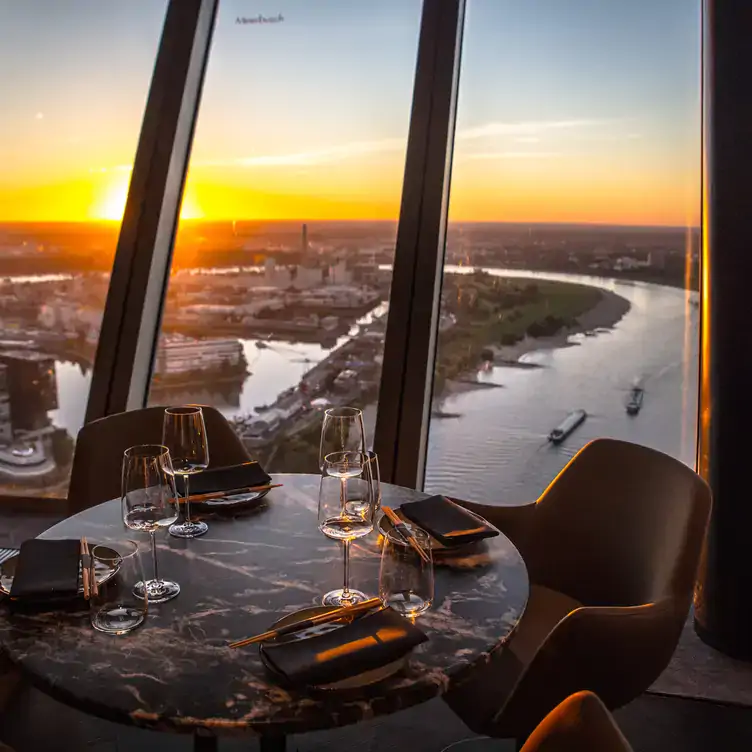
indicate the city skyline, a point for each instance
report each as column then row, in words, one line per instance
column 584, row 115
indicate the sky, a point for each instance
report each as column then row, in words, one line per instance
column 569, row 110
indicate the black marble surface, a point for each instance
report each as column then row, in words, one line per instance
column 177, row 673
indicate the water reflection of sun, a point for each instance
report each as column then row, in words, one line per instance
column 113, row 195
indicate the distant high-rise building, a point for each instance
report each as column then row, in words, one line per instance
column 31, row 387
column 304, row 243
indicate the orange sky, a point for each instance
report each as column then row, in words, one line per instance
column 527, row 186
column 302, row 125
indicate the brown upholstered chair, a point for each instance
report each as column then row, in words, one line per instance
column 95, row 476
column 579, row 724
column 612, row 548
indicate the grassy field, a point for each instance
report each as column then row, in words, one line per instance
column 500, row 311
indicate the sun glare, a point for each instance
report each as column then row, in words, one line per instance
column 111, row 205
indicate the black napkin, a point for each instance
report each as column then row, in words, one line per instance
column 372, row 641
column 225, row 478
column 46, row 570
column 449, row 523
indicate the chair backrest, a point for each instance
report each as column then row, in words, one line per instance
column 625, row 525
column 95, row 476
column 581, row 723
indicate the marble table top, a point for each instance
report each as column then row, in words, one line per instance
column 176, row 672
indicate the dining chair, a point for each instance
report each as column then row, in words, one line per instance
column 612, row 549
column 581, row 723
column 95, row 476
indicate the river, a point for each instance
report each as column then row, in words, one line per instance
column 497, row 451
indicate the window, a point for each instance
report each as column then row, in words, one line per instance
column 73, row 83
column 571, row 269
column 277, row 303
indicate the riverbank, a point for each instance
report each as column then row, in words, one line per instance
column 605, row 314
column 496, row 320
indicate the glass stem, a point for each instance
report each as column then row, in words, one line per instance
column 187, row 500
column 154, row 554
column 346, row 584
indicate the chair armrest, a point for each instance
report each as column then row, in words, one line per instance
column 616, row 652
column 516, row 522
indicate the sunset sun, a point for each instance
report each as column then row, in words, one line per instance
column 111, row 204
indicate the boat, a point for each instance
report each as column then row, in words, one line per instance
column 567, row 426
column 634, row 403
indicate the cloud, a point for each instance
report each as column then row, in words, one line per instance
column 315, row 157
column 523, row 128
column 523, row 132
column 516, row 155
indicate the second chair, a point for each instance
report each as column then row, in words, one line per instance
column 97, row 460
column 612, row 549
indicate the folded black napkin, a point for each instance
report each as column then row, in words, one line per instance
column 447, row 522
column 369, row 642
column 46, row 570
column 225, row 478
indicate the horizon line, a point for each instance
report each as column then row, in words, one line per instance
column 204, row 220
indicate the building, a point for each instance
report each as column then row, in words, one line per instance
column 32, row 390
column 70, row 317
column 180, row 355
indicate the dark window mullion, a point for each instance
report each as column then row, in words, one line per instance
column 407, row 376
column 131, row 319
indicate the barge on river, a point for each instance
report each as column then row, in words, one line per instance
column 574, row 419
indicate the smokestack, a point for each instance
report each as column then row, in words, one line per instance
column 304, row 244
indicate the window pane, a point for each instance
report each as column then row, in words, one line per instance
column 572, row 254
column 73, row 82
column 276, row 305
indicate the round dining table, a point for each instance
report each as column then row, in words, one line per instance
column 176, row 672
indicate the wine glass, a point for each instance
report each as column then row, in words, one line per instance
column 184, row 434
column 346, row 505
column 405, row 577
column 342, row 431
column 149, row 501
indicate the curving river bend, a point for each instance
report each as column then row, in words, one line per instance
column 497, row 452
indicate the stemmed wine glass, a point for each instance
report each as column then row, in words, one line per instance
column 342, row 431
column 149, row 502
column 184, row 434
column 346, row 506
